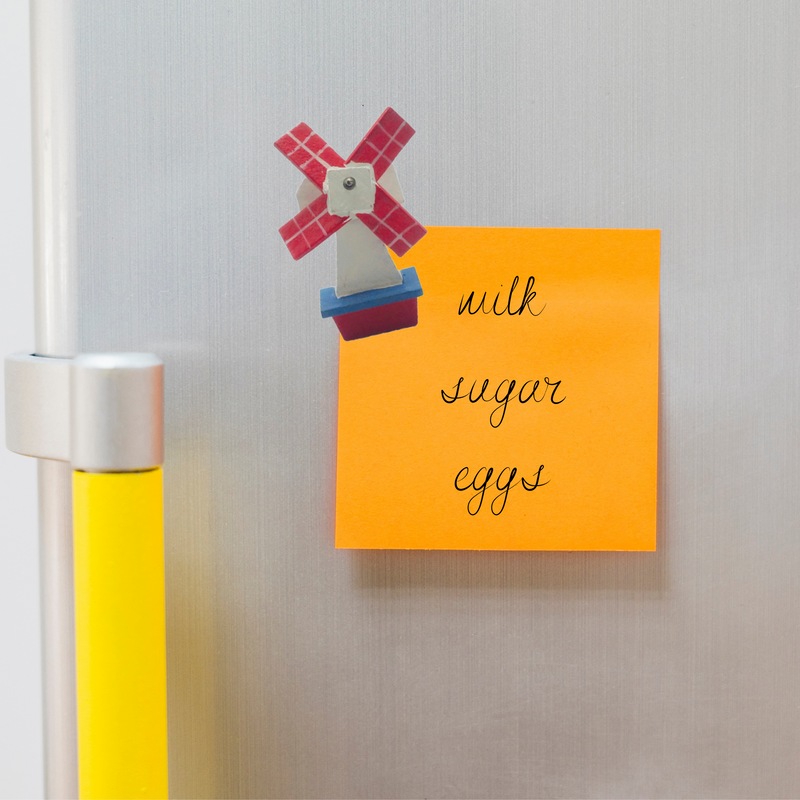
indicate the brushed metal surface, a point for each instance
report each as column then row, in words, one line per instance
column 299, row 671
column 58, row 630
column 37, row 405
column 116, row 412
column 55, row 227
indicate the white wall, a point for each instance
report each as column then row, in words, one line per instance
column 20, row 673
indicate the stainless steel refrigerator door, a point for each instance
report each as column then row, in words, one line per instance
column 299, row 671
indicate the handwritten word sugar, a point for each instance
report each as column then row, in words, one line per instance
column 503, row 396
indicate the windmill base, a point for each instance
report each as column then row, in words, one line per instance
column 376, row 311
column 381, row 319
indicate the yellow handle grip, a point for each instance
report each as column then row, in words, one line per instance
column 120, row 634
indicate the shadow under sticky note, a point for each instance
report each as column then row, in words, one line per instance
column 521, row 412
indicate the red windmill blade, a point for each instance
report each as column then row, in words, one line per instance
column 309, row 153
column 312, row 226
column 392, row 224
column 385, row 217
column 384, row 140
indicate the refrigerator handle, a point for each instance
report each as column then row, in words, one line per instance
column 104, row 414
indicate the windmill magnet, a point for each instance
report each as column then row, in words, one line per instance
column 361, row 202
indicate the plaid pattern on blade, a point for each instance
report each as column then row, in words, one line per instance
column 392, row 224
column 384, row 140
column 309, row 153
column 312, row 226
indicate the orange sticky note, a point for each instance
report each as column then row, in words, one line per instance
column 550, row 381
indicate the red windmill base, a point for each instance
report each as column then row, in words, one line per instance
column 360, row 200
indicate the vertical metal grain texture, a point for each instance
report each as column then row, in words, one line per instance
column 55, row 237
column 298, row 671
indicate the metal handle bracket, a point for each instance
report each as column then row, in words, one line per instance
column 102, row 412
